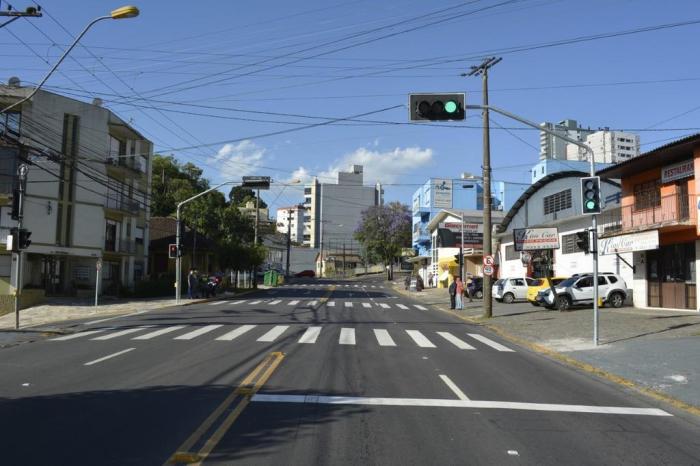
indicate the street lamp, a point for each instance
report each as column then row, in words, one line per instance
column 124, row 12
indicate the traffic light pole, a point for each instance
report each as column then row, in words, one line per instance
column 22, row 172
column 594, row 220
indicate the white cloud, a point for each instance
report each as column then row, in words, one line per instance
column 236, row 160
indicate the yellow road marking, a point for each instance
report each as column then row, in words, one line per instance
column 247, row 388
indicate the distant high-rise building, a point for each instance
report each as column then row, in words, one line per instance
column 608, row 147
column 552, row 147
column 291, row 218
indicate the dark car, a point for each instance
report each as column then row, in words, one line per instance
column 476, row 287
column 306, row 273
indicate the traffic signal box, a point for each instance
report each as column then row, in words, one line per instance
column 590, row 195
column 582, row 241
column 436, row 107
column 172, row 251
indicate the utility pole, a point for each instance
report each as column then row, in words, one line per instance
column 483, row 70
column 461, row 251
column 289, row 238
column 255, row 235
column 343, row 258
column 22, row 172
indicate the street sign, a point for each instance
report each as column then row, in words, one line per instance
column 98, row 264
column 533, row 239
column 257, row 182
column 488, row 260
column 488, row 270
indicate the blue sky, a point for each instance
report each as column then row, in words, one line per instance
column 192, row 74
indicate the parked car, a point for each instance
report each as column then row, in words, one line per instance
column 306, row 273
column 510, row 289
column 476, row 287
column 538, row 285
column 612, row 290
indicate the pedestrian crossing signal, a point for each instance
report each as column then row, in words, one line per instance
column 172, row 251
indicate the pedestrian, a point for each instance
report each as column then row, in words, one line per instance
column 430, row 280
column 468, row 287
column 459, row 291
column 191, row 283
column 452, row 289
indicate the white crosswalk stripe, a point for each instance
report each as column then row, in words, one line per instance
column 384, row 305
column 347, row 336
column 366, row 304
column 293, row 303
column 198, row 332
column 422, row 308
column 383, row 337
column 235, row 333
column 159, row 332
column 420, row 339
column 310, row 335
column 276, row 301
column 330, row 304
column 312, row 303
column 489, row 342
column 402, row 306
column 216, row 303
column 348, row 304
column 240, row 301
column 455, row 341
column 120, row 333
column 273, row 333
column 80, row 334
column 258, row 301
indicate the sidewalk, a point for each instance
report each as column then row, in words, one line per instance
column 655, row 350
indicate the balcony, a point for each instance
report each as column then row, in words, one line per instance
column 122, row 204
column 676, row 210
column 132, row 163
column 420, row 234
column 122, row 246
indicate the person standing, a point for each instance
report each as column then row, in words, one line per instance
column 452, row 289
column 191, row 283
column 459, row 291
column 469, row 287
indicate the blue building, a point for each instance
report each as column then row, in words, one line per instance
column 463, row 194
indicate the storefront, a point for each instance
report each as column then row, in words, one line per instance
column 671, row 276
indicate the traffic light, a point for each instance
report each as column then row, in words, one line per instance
column 590, row 195
column 436, row 107
column 172, row 251
column 15, row 213
column 458, row 258
column 24, row 240
column 582, row 241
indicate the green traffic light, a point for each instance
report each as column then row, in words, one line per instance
column 590, row 205
column 450, row 106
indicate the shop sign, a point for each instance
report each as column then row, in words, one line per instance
column 473, row 233
column 442, row 193
column 678, row 171
column 534, row 239
column 629, row 243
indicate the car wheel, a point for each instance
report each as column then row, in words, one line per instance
column 563, row 303
column 479, row 295
column 616, row 299
column 508, row 298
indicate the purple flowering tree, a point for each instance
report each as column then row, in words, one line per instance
column 383, row 231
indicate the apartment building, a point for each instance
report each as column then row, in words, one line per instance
column 553, row 147
column 608, row 147
column 87, row 193
column 291, row 219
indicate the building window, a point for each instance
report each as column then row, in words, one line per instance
column 647, row 195
column 568, row 244
column 511, row 253
column 9, row 123
column 557, row 202
column 81, row 273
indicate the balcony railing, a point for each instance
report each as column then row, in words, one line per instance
column 123, row 246
column 675, row 209
column 123, row 204
column 133, row 163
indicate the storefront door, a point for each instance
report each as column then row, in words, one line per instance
column 671, row 276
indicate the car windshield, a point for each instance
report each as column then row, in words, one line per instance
column 568, row 282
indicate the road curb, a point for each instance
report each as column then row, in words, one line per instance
column 572, row 362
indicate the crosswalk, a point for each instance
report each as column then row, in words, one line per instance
column 337, row 285
column 307, row 335
column 350, row 305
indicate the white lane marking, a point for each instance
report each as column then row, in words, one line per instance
column 80, row 334
column 420, row 339
column 422, row 308
column 346, row 285
column 373, row 286
column 366, row 304
column 330, row 303
column 198, row 332
column 347, row 336
column 356, row 400
column 489, row 342
column 348, row 304
column 98, row 321
column 402, row 306
column 383, row 337
column 235, row 333
column 384, row 305
column 312, row 303
column 460, row 394
column 216, row 303
column 355, row 286
column 276, row 301
column 293, row 303
column 159, row 332
column 310, row 335
column 455, row 341
column 240, row 301
column 257, row 301
column 113, row 355
column 120, row 333
column 272, row 334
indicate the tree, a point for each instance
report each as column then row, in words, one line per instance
column 239, row 196
column 383, row 231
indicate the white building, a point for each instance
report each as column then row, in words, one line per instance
column 608, row 147
column 87, row 195
column 334, row 210
column 291, row 219
column 553, row 147
column 555, row 201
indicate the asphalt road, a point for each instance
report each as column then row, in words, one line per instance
column 317, row 373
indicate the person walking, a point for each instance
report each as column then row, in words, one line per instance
column 452, row 289
column 468, row 287
column 459, row 292
column 191, row 284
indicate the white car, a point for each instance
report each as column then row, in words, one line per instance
column 509, row 289
column 612, row 290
